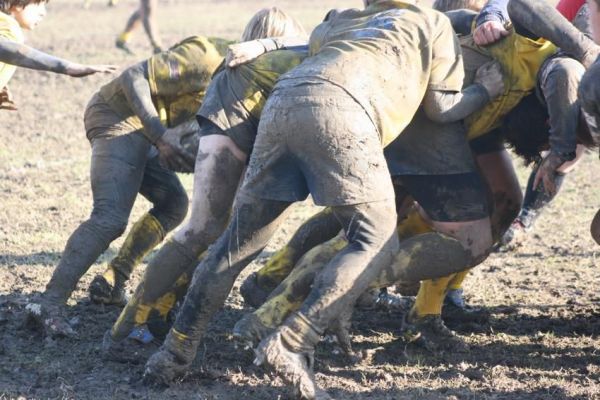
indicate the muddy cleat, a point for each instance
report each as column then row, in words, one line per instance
column 254, row 295
column 164, row 367
column 395, row 303
column 49, row 318
column 456, row 310
column 250, row 330
column 129, row 350
column 295, row 368
column 141, row 334
column 102, row 292
column 122, row 45
column 431, row 333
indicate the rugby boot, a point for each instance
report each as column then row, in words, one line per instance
column 135, row 349
column 429, row 332
column 145, row 235
column 171, row 361
column 513, row 238
column 122, row 43
column 253, row 293
column 290, row 352
column 250, row 330
column 48, row 316
column 456, row 310
column 395, row 303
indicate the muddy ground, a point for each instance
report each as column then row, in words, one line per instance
column 540, row 342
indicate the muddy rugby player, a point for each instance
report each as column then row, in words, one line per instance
column 227, row 120
column 134, row 124
column 492, row 159
column 19, row 15
column 348, row 173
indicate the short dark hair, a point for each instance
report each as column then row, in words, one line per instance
column 526, row 129
column 6, row 5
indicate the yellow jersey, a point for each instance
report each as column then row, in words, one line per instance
column 9, row 30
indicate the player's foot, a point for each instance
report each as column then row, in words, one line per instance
column 48, row 317
column 252, row 292
column 431, row 333
column 102, row 292
column 456, row 310
column 249, row 330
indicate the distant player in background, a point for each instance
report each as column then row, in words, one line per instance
column 19, row 15
column 143, row 15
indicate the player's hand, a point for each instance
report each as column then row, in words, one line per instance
column 6, row 100
column 80, row 70
column 242, row 53
column 489, row 75
column 547, row 172
column 488, row 33
column 172, row 155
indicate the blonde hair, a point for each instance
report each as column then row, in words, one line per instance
column 449, row 5
column 272, row 22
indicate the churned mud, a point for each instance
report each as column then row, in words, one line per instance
column 540, row 343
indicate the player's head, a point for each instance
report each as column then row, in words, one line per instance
column 28, row 13
column 526, row 129
column 594, row 6
column 272, row 22
column 449, row 5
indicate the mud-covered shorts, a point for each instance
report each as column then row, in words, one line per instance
column 101, row 121
column 433, row 163
column 313, row 137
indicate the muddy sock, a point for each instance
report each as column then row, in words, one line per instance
column 145, row 234
column 412, row 225
column 430, row 298
column 536, row 199
column 124, row 37
column 83, row 248
column 290, row 293
column 316, row 230
column 544, row 20
column 458, row 279
column 426, row 256
column 167, row 273
column 299, row 333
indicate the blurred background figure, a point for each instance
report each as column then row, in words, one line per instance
column 143, row 15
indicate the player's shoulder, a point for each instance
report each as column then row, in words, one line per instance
column 10, row 28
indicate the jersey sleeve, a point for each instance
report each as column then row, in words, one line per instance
column 447, row 70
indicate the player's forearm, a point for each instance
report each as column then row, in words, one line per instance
column 445, row 107
column 544, row 21
column 27, row 57
column 494, row 10
column 137, row 91
column 461, row 20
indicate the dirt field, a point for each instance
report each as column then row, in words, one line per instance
column 540, row 342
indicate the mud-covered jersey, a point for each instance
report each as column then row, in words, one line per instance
column 521, row 58
column 9, row 30
column 178, row 79
column 386, row 57
column 236, row 96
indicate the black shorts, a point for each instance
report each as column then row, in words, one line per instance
column 490, row 142
column 446, row 198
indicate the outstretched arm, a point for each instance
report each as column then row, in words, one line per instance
column 27, row 57
column 136, row 87
column 242, row 53
column 444, row 107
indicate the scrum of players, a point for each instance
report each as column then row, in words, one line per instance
column 395, row 118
